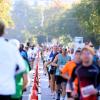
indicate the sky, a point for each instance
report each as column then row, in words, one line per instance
column 31, row 2
column 69, row 1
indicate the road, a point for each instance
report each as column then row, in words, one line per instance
column 45, row 91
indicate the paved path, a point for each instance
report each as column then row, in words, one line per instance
column 27, row 93
column 45, row 91
column 44, row 85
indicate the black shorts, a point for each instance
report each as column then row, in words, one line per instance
column 60, row 79
column 64, row 80
column 5, row 97
column 52, row 71
column 43, row 61
column 48, row 73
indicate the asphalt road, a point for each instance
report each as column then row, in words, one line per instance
column 45, row 91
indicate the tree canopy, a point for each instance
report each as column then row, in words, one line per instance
column 26, row 21
column 5, row 7
column 54, row 21
column 81, row 20
column 88, row 14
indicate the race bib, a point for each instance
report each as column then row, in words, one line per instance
column 86, row 91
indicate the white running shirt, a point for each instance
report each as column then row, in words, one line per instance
column 9, row 58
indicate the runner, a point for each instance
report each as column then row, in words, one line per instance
column 24, row 54
column 98, row 54
column 88, row 75
column 21, row 78
column 45, row 60
column 52, row 70
column 68, row 69
column 31, row 55
column 59, row 61
column 71, row 53
column 9, row 59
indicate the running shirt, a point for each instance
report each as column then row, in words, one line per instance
column 19, row 82
column 19, row 86
column 98, row 54
column 68, row 68
column 61, row 62
column 25, row 57
column 24, row 54
column 52, row 55
column 31, row 54
column 46, row 55
column 72, row 56
column 9, row 59
column 87, row 76
column 51, row 58
column 95, row 59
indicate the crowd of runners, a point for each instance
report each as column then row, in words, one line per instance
column 73, row 74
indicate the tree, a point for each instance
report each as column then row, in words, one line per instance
column 27, row 21
column 5, row 7
column 64, row 40
column 61, row 21
column 88, row 14
column 82, row 20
